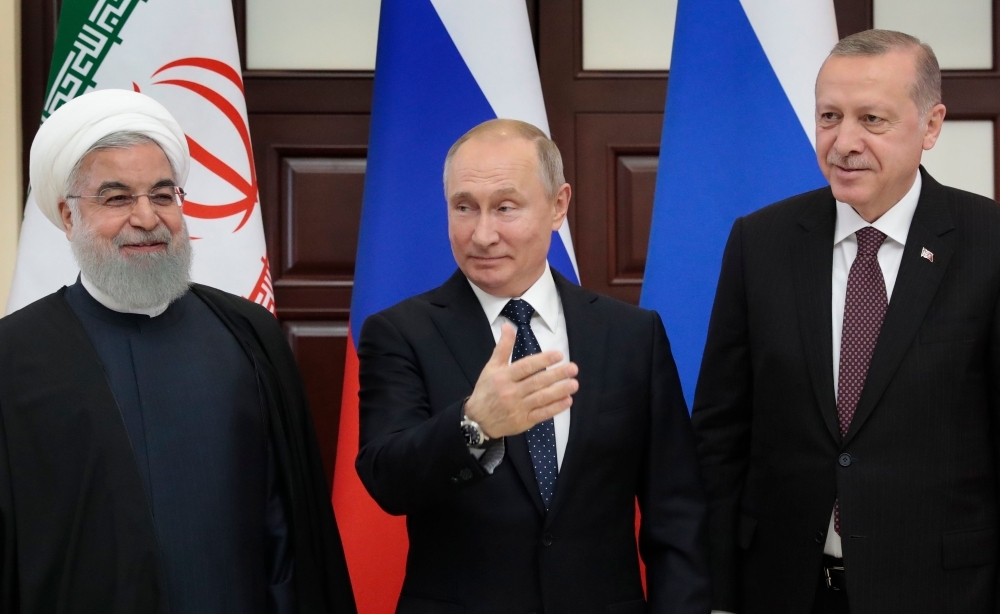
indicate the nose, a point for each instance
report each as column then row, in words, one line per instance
column 849, row 138
column 143, row 215
column 485, row 233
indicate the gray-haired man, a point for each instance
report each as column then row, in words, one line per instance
column 849, row 396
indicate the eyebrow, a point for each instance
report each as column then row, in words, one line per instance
column 118, row 185
column 164, row 183
column 504, row 191
column 458, row 196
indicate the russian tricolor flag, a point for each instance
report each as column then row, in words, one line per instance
column 442, row 67
column 738, row 134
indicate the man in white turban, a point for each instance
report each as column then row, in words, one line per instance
column 156, row 450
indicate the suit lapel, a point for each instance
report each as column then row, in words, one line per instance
column 462, row 323
column 916, row 284
column 813, row 264
column 587, row 334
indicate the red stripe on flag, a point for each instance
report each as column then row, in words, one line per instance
column 375, row 542
column 642, row 566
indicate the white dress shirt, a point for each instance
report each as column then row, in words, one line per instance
column 895, row 224
column 113, row 305
column 549, row 325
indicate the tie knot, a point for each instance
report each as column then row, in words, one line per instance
column 869, row 240
column 518, row 311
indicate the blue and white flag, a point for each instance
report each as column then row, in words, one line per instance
column 738, row 134
column 442, row 67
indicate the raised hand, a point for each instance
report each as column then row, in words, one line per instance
column 511, row 398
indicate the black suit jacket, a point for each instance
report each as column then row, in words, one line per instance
column 484, row 543
column 916, row 474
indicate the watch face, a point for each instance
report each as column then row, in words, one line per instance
column 472, row 435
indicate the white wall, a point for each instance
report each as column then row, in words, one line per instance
column 959, row 31
column 963, row 156
column 628, row 34
column 312, row 34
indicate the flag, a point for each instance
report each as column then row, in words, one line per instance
column 442, row 67
column 183, row 53
column 738, row 134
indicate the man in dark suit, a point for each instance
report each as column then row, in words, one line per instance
column 516, row 502
column 847, row 406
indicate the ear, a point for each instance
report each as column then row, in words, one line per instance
column 935, row 120
column 561, row 205
column 67, row 218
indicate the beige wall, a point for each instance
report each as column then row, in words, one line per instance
column 10, row 141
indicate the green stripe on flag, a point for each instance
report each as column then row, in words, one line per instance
column 87, row 31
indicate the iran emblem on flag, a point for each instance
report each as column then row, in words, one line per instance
column 184, row 54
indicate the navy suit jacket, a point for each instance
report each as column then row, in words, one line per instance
column 484, row 543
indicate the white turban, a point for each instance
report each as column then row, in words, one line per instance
column 68, row 133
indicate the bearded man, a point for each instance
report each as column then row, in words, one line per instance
column 156, row 450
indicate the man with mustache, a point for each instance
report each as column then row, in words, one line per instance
column 156, row 450
column 515, row 417
column 849, row 399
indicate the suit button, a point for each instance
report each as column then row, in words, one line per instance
column 820, row 537
column 547, row 539
column 465, row 474
column 844, row 460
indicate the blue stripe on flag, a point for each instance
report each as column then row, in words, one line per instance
column 424, row 99
column 731, row 144
column 559, row 258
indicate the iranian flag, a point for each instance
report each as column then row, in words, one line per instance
column 183, row 53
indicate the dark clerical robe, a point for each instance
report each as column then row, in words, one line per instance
column 162, row 464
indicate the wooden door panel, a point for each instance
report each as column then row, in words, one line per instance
column 311, row 177
column 319, row 349
column 320, row 213
column 616, row 160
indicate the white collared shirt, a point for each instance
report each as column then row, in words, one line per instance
column 114, row 305
column 895, row 224
column 549, row 325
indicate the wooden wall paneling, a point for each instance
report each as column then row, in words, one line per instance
column 631, row 216
column 320, row 215
column 596, row 118
column 312, row 153
column 568, row 89
column 320, row 348
column 617, row 157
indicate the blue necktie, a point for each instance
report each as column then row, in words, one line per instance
column 542, row 436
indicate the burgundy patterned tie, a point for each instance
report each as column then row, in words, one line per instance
column 864, row 311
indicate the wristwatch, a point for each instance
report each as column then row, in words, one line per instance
column 473, row 433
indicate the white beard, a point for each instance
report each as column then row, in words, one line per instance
column 137, row 281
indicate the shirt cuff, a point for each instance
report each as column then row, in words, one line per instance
column 491, row 455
